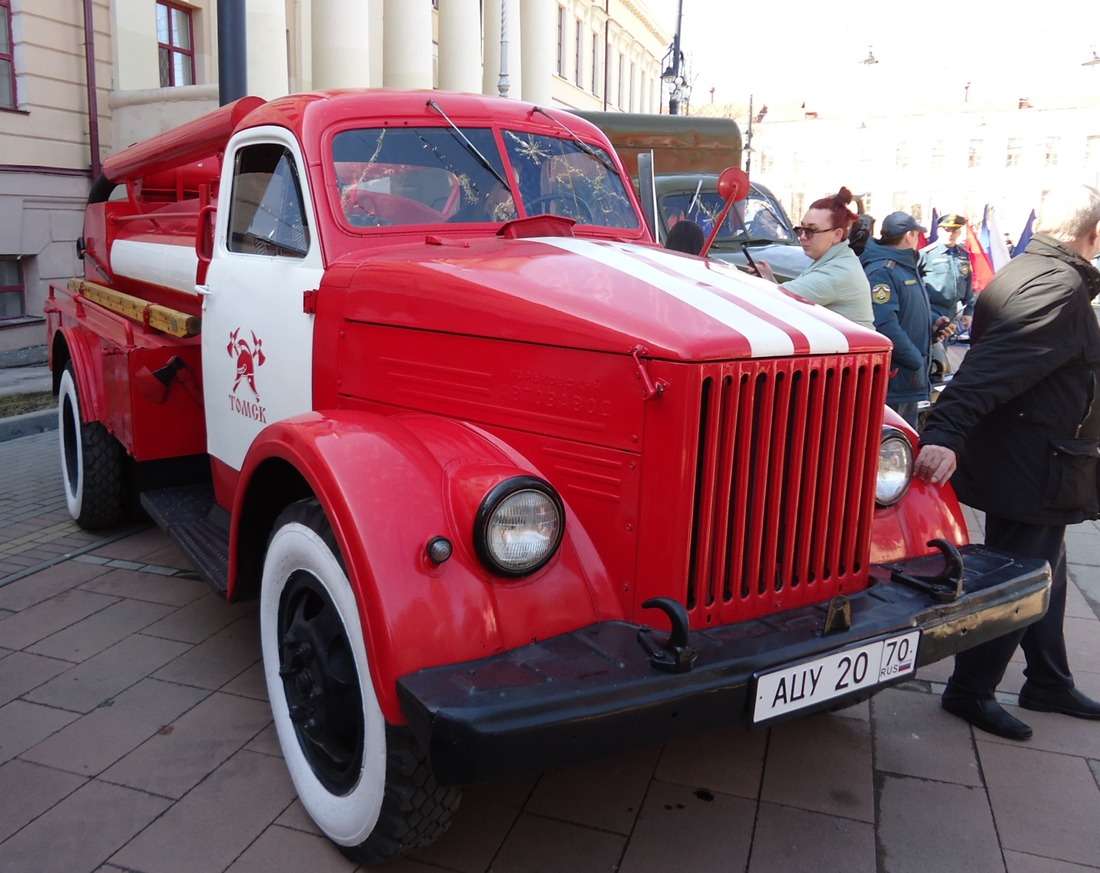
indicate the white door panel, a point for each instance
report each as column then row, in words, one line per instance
column 257, row 342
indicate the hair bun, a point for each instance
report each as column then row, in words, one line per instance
column 843, row 196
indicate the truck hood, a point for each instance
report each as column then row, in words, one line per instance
column 591, row 294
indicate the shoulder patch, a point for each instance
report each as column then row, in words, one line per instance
column 881, row 294
column 889, row 265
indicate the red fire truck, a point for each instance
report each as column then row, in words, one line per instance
column 513, row 485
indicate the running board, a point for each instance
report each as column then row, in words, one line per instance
column 195, row 523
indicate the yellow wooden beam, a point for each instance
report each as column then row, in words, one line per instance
column 162, row 318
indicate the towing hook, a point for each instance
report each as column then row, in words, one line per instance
column 944, row 587
column 675, row 655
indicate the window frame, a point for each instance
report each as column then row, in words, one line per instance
column 19, row 289
column 172, row 49
column 8, row 57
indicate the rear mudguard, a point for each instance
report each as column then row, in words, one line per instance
column 389, row 485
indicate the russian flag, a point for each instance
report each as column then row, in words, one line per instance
column 996, row 245
column 1025, row 237
column 934, row 227
column 981, row 267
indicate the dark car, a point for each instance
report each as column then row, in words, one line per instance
column 757, row 227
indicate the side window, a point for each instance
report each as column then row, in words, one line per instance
column 175, row 45
column 7, row 60
column 266, row 212
column 12, row 301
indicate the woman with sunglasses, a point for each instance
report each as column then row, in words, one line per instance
column 835, row 279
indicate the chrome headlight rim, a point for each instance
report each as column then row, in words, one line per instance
column 891, row 437
column 484, row 524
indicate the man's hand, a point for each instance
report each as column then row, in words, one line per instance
column 966, row 320
column 764, row 270
column 942, row 328
column 935, row 464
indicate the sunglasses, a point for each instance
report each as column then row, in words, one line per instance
column 810, row 231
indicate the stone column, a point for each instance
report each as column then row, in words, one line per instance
column 407, row 44
column 460, row 45
column 265, row 31
column 537, row 33
column 341, row 44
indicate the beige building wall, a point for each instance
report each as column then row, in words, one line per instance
column 45, row 149
column 611, row 52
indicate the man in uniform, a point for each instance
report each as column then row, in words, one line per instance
column 947, row 274
column 901, row 309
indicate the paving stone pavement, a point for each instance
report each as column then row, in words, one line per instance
column 135, row 736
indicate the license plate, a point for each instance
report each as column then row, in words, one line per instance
column 840, row 674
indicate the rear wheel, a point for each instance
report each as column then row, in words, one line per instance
column 91, row 462
column 365, row 783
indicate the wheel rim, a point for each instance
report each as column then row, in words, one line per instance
column 320, row 681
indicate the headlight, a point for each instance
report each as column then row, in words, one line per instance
column 895, row 467
column 519, row 526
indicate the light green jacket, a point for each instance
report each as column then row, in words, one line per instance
column 836, row 281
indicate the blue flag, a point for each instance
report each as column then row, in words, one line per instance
column 934, row 227
column 1025, row 237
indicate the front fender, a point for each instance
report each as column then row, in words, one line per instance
column 389, row 484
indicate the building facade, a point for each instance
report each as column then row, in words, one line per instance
column 949, row 155
column 79, row 80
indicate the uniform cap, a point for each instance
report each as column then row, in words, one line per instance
column 897, row 223
column 952, row 221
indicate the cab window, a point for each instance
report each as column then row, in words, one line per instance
column 266, row 212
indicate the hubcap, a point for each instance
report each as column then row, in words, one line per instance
column 321, row 682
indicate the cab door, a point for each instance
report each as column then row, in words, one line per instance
column 257, row 340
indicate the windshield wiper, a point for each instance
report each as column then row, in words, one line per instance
column 580, row 143
column 472, row 148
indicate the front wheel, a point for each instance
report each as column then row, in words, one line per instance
column 365, row 783
column 91, row 462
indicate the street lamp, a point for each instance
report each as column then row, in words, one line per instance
column 1093, row 61
column 672, row 74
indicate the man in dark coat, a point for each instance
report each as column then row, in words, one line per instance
column 1018, row 426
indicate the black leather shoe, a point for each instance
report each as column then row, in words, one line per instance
column 1068, row 701
column 986, row 714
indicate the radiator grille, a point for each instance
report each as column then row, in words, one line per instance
column 784, row 483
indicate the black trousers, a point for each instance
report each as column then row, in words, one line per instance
column 978, row 671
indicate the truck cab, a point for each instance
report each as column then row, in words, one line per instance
column 511, row 483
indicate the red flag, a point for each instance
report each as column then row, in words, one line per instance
column 980, row 266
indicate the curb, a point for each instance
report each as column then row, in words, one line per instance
column 28, row 424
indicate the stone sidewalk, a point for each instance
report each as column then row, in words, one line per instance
column 135, row 736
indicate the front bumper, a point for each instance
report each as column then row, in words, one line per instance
column 593, row 691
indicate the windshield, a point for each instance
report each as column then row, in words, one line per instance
column 436, row 175
column 754, row 218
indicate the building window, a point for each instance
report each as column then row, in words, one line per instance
column 901, row 157
column 12, row 299
column 1051, row 159
column 595, row 65
column 1012, row 156
column 561, row 41
column 974, row 153
column 1092, row 150
column 622, row 76
column 175, row 45
column 7, row 62
column 633, row 105
column 579, row 33
column 939, row 155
